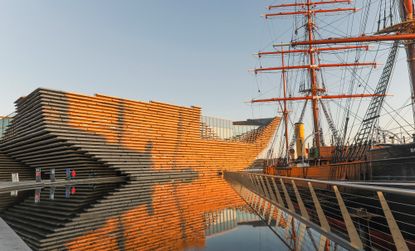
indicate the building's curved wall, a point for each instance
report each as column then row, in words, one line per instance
column 172, row 171
column 59, row 129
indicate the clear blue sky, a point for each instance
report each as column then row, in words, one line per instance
column 185, row 52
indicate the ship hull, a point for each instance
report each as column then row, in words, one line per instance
column 388, row 162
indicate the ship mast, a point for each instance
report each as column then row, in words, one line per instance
column 313, row 78
column 315, row 93
column 406, row 11
column 285, row 112
column 311, row 46
column 403, row 31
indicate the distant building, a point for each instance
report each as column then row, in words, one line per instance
column 4, row 122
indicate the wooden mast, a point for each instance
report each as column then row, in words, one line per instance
column 285, row 112
column 407, row 14
column 402, row 32
column 408, row 9
column 313, row 78
column 315, row 92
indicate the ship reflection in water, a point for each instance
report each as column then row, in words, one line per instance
column 175, row 213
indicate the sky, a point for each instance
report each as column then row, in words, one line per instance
column 187, row 52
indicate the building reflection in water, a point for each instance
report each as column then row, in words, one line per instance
column 181, row 212
column 169, row 214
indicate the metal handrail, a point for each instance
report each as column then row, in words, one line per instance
column 377, row 188
column 299, row 198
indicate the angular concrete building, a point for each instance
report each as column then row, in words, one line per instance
column 169, row 155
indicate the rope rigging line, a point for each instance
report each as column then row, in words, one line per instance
column 350, row 102
column 363, row 138
column 352, row 79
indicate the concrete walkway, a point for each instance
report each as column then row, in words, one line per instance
column 9, row 240
column 28, row 185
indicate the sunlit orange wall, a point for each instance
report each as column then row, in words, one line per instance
column 172, row 131
column 173, row 134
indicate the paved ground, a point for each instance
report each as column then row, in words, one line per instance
column 26, row 185
column 9, row 240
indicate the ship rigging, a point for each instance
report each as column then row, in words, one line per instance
column 302, row 64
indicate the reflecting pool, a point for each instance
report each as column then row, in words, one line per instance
column 178, row 211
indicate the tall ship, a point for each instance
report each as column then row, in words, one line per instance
column 341, row 104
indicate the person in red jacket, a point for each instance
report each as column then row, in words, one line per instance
column 73, row 174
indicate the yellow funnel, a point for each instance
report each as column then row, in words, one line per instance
column 299, row 133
